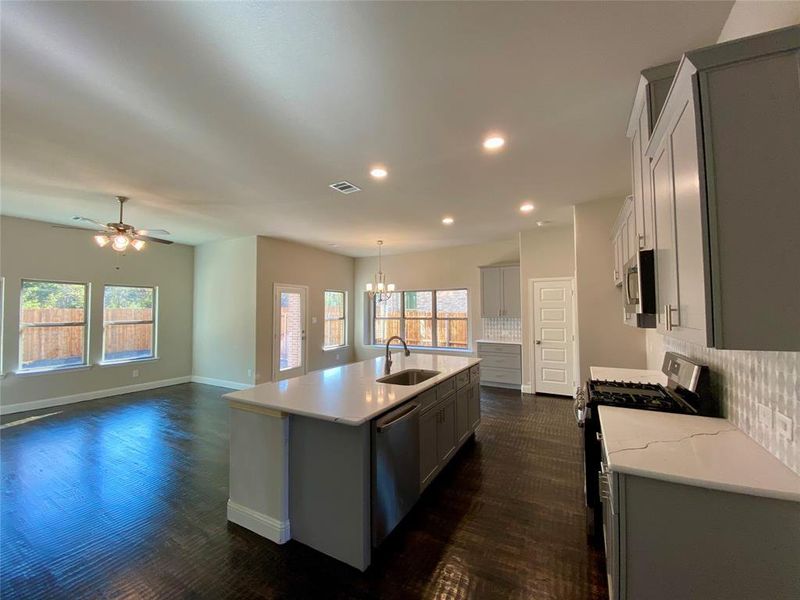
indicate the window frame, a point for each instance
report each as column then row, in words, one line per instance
column 87, row 289
column 154, row 321
column 434, row 320
column 343, row 319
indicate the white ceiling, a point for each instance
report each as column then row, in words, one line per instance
column 225, row 119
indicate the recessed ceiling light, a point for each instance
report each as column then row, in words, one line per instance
column 379, row 172
column 447, row 220
column 526, row 208
column 494, row 142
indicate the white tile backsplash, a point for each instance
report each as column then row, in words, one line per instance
column 502, row 328
column 743, row 380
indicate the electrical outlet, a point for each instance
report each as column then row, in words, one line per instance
column 313, row 320
column 784, row 426
column 135, row 373
column 765, row 416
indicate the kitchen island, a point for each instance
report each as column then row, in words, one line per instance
column 309, row 459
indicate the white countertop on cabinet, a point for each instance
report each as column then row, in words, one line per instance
column 700, row 451
column 485, row 341
column 349, row 394
column 632, row 375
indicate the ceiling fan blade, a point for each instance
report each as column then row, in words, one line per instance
column 147, row 238
column 77, row 228
column 92, row 221
column 149, row 231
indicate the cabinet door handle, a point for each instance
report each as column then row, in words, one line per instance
column 668, row 310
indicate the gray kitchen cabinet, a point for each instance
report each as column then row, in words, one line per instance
column 474, row 405
column 446, row 430
column 666, row 540
column 651, row 94
column 725, row 176
column 616, row 245
column 428, row 451
column 462, row 413
column 624, row 239
column 501, row 365
column 500, row 291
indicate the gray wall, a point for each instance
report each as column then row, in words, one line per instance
column 281, row 261
column 603, row 339
column 453, row 267
column 225, row 312
column 543, row 252
column 33, row 249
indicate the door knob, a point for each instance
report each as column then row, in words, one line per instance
column 538, row 342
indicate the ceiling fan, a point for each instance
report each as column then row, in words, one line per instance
column 120, row 235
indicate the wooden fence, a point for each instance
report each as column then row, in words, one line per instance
column 451, row 333
column 50, row 343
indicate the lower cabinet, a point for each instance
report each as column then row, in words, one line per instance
column 445, row 425
column 463, row 422
column 428, row 453
column 474, row 406
column 666, row 540
column 446, row 430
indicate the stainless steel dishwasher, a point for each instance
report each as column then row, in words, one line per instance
column 395, row 468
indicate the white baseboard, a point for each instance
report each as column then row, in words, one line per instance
column 264, row 525
column 527, row 389
column 234, row 385
column 83, row 396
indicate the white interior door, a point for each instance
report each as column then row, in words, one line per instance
column 553, row 334
column 289, row 331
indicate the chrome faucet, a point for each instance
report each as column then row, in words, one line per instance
column 388, row 364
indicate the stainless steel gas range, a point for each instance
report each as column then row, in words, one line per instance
column 687, row 391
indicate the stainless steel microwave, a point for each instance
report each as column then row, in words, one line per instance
column 639, row 288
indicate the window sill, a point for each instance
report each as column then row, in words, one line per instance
column 25, row 372
column 426, row 349
column 335, row 348
column 127, row 361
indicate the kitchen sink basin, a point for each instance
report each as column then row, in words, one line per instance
column 408, row 377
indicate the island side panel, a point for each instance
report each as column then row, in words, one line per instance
column 329, row 490
column 259, row 465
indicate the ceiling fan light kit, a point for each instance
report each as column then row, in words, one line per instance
column 120, row 235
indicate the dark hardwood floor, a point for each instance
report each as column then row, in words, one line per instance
column 125, row 497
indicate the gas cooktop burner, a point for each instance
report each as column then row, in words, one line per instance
column 647, row 396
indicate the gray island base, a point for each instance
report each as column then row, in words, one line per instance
column 303, row 451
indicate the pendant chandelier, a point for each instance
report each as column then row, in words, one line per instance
column 379, row 289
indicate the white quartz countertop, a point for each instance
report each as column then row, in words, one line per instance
column 700, row 451
column 632, row 375
column 349, row 394
column 486, row 341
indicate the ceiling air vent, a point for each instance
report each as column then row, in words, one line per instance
column 345, row 187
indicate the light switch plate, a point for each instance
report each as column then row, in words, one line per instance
column 765, row 416
column 784, row 426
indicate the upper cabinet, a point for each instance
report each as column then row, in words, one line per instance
column 500, row 291
column 624, row 239
column 650, row 97
column 724, row 168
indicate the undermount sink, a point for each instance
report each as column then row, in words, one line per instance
column 408, row 377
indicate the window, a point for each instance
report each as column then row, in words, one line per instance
column 424, row 318
column 128, row 323
column 335, row 320
column 53, row 318
column 452, row 327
